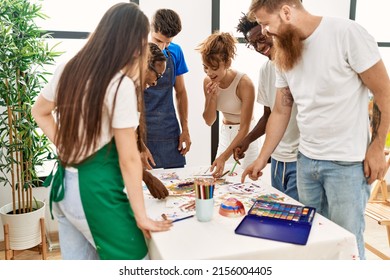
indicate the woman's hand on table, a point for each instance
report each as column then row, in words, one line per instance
column 148, row 225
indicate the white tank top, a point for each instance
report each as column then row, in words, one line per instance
column 228, row 102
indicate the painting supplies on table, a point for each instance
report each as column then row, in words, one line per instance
column 224, row 173
column 204, row 198
column 204, row 188
column 183, row 218
column 181, row 188
column 278, row 221
column 176, row 219
column 186, row 184
column 234, row 167
column 248, row 188
column 188, row 206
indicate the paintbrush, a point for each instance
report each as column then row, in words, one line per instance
column 182, row 194
column 184, row 218
column 234, row 167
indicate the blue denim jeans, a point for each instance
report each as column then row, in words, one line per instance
column 284, row 177
column 338, row 190
column 75, row 238
column 73, row 244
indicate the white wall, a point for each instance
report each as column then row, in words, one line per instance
column 334, row 8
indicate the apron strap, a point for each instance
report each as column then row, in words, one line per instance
column 56, row 182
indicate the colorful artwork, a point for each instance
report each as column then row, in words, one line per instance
column 188, row 206
column 231, row 198
column 222, row 181
column 232, row 207
column 169, row 176
column 270, row 197
column 247, row 188
column 178, row 188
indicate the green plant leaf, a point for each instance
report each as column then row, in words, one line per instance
column 24, row 54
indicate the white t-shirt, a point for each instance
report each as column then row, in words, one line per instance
column 125, row 114
column 331, row 99
column 287, row 148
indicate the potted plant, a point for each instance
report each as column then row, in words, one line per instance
column 23, row 54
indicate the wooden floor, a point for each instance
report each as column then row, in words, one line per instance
column 53, row 252
column 376, row 235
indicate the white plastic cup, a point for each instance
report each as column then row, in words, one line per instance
column 204, row 209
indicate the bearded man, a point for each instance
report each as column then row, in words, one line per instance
column 327, row 66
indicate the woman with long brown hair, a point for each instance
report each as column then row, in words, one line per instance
column 94, row 97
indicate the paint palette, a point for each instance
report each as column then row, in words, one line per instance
column 278, row 221
column 283, row 211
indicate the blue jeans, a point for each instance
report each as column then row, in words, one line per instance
column 74, row 235
column 338, row 190
column 73, row 244
column 284, row 177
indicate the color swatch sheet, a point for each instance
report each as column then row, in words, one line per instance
column 278, row 221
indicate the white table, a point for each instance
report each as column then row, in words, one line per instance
column 191, row 239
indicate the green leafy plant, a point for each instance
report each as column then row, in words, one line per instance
column 24, row 53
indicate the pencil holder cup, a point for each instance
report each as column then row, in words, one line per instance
column 204, row 209
column 204, row 201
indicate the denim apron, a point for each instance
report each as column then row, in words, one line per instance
column 106, row 205
column 163, row 130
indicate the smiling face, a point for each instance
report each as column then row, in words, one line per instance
column 154, row 73
column 270, row 22
column 260, row 42
column 215, row 73
column 287, row 39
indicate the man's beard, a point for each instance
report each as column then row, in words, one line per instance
column 288, row 48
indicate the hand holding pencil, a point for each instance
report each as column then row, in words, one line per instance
column 219, row 165
column 217, row 168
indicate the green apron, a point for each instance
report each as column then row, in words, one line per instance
column 106, row 206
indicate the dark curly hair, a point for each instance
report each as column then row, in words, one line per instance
column 155, row 54
column 245, row 25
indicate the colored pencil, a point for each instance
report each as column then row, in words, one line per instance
column 224, row 173
column 234, row 167
column 181, row 219
column 188, row 194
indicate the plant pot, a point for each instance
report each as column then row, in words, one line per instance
column 24, row 229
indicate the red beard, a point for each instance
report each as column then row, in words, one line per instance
column 288, row 47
